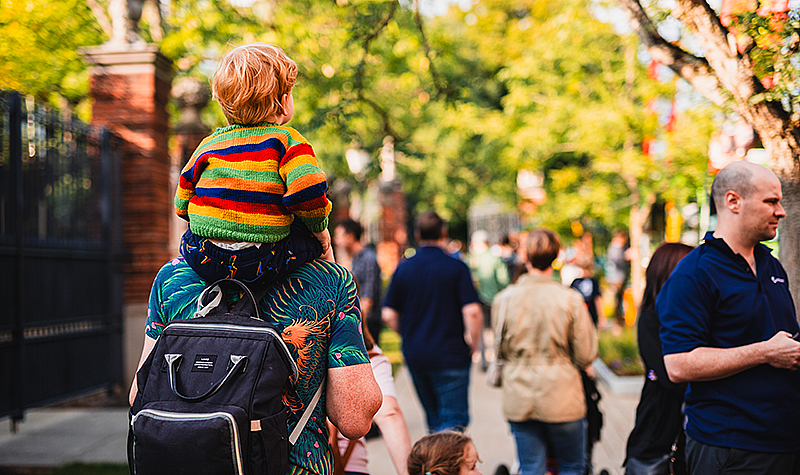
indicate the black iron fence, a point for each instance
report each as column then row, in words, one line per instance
column 60, row 246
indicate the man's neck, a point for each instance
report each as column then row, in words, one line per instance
column 356, row 249
column 440, row 243
column 540, row 273
column 738, row 244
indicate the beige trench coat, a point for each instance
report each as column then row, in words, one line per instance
column 548, row 335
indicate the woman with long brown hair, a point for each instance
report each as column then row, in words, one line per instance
column 659, row 416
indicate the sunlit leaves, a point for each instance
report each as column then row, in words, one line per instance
column 39, row 47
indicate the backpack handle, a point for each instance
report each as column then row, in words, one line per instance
column 218, row 289
column 174, row 361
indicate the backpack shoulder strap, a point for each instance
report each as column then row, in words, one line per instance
column 301, row 424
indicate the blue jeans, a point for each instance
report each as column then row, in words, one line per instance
column 567, row 441
column 444, row 397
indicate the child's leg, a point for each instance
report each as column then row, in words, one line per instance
column 212, row 262
column 253, row 265
column 299, row 247
column 208, row 260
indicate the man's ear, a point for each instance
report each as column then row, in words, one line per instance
column 732, row 201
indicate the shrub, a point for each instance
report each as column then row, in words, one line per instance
column 620, row 352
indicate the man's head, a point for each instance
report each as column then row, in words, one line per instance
column 480, row 240
column 748, row 199
column 347, row 234
column 253, row 84
column 430, row 227
column 541, row 248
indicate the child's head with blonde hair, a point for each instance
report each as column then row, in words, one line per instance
column 253, row 82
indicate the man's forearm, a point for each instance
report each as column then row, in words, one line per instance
column 708, row 364
column 391, row 318
column 366, row 307
column 473, row 324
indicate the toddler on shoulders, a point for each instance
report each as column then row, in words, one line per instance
column 246, row 185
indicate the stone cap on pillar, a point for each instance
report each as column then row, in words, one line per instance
column 127, row 58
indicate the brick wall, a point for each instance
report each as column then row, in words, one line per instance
column 130, row 87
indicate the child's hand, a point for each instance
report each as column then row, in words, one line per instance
column 324, row 238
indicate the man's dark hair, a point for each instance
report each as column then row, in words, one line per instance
column 430, row 226
column 351, row 227
column 738, row 179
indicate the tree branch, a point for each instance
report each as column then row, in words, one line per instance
column 438, row 83
column 386, row 125
column 690, row 67
column 365, row 47
column 734, row 70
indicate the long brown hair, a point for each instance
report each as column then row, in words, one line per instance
column 441, row 453
column 661, row 265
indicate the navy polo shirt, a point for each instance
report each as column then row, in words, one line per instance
column 428, row 291
column 712, row 299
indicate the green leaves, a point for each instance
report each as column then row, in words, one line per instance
column 38, row 52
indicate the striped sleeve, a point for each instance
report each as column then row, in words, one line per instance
column 188, row 180
column 306, row 186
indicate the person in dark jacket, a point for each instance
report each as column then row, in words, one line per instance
column 659, row 416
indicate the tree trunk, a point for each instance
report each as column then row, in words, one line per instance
column 783, row 150
column 726, row 77
column 790, row 238
column 638, row 218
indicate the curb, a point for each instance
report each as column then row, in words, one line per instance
column 617, row 384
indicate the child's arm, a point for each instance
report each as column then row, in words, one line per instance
column 306, row 187
column 324, row 238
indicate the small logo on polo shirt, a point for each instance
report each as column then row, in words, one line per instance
column 777, row 280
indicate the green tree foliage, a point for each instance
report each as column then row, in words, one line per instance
column 39, row 47
column 565, row 95
column 469, row 97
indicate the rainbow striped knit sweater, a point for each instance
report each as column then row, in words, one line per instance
column 246, row 183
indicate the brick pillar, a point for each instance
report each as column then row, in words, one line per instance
column 393, row 226
column 191, row 96
column 130, row 87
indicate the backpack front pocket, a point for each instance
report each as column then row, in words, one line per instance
column 190, row 443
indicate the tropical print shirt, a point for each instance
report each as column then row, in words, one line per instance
column 317, row 311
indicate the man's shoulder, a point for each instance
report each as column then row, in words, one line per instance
column 178, row 273
column 367, row 255
column 319, row 272
column 436, row 261
column 700, row 260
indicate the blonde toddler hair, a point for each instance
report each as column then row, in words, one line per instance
column 250, row 82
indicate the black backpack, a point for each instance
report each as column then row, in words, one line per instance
column 209, row 395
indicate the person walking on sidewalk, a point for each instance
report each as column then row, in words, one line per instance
column 315, row 309
column 547, row 338
column 659, row 415
column 365, row 268
column 432, row 303
column 727, row 320
column 491, row 276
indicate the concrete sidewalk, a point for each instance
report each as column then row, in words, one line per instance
column 58, row 436
column 490, row 432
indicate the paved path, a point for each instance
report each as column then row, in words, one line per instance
column 57, row 436
column 490, row 432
